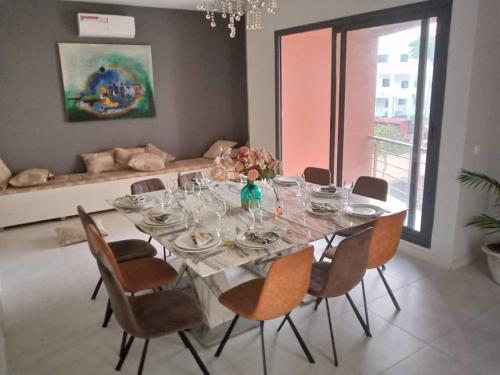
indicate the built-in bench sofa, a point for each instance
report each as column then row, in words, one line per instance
column 59, row 197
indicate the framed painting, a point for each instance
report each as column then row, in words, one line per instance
column 106, row 81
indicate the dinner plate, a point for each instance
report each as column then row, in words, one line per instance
column 185, row 243
column 127, row 203
column 286, row 180
column 363, row 210
column 241, row 240
column 173, row 219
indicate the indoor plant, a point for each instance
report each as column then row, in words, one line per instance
column 489, row 223
column 256, row 164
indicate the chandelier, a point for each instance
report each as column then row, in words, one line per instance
column 233, row 10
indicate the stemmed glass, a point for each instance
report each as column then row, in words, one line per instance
column 220, row 210
column 305, row 198
column 254, row 207
column 348, row 186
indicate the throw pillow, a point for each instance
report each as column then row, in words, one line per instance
column 99, row 162
column 123, row 155
column 146, row 162
column 152, row 149
column 75, row 233
column 218, row 147
column 31, row 177
column 5, row 175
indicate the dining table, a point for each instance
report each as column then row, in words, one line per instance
column 282, row 211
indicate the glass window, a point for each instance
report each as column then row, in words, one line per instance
column 404, row 84
column 383, row 58
column 386, row 82
column 403, row 57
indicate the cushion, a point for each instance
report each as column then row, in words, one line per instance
column 146, row 162
column 31, row 177
column 218, row 147
column 152, row 149
column 123, row 155
column 5, row 175
column 75, row 233
column 99, row 161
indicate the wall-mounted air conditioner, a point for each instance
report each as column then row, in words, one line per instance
column 105, row 26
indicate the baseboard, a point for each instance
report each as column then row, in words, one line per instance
column 423, row 254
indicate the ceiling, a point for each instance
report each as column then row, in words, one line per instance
column 173, row 4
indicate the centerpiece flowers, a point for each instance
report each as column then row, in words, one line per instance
column 256, row 164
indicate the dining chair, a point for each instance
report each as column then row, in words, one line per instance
column 271, row 297
column 340, row 276
column 186, row 179
column 135, row 275
column 146, row 316
column 123, row 250
column 319, row 176
column 384, row 244
column 371, row 187
column 147, row 186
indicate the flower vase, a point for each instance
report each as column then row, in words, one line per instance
column 250, row 192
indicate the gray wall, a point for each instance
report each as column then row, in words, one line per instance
column 199, row 78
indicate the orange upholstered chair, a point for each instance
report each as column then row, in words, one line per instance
column 268, row 298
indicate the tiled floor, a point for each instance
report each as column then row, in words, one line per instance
column 449, row 323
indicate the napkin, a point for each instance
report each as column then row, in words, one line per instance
column 137, row 200
column 201, row 237
column 323, row 207
column 159, row 217
column 263, row 238
column 328, row 189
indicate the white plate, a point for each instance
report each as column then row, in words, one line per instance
column 173, row 219
column 127, row 203
column 363, row 210
column 286, row 180
column 185, row 243
column 241, row 240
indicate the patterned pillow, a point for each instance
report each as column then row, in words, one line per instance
column 218, row 147
column 31, row 177
column 99, row 162
column 146, row 162
column 5, row 175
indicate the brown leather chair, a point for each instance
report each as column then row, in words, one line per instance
column 123, row 250
column 371, row 187
column 268, row 298
column 186, row 179
column 319, row 176
column 341, row 275
column 147, row 186
column 135, row 275
column 147, row 316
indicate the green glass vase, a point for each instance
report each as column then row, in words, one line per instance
column 249, row 192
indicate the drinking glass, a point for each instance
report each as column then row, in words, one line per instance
column 160, row 199
column 220, row 210
column 348, row 186
column 253, row 208
column 188, row 189
column 169, row 200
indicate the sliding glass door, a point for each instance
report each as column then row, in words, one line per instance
column 363, row 97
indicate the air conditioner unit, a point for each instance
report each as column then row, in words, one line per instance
column 105, row 26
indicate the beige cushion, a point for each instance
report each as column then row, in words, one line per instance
column 152, row 149
column 75, row 233
column 5, row 175
column 218, row 147
column 31, row 177
column 123, row 155
column 99, row 161
column 146, row 162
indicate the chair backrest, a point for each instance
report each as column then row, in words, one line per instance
column 385, row 240
column 145, row 186
column 371, row 187
column 186, row 179
column 349, row 264
column 285, row 285
column 318, row 176
column 87, row 220
column 107, row 267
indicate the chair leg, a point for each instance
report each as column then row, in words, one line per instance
column 96, row 290
column 107, row 315
column 383, row 267
column 365, row 303
column 164, row 254
column 281, row 324
column 300, row 340
column 263, row 346
column 150, row 238
column 331, row 332
column 318, row 301
column 124, row 341
column 193, row 351
column 181, row 273
column 328, row 245
column 226, row 336
column 358, row 315
column 394, row 301
column 143, row 357
column 124, row 353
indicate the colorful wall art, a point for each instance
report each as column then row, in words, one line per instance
column 107, row 81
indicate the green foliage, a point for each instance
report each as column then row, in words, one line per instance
column 486, row 183
column 390, row 132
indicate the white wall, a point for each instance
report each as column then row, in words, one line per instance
column 465, row 104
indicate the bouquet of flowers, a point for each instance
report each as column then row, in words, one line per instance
column 223, row 166
column 256, row 163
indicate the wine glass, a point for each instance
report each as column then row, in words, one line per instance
column 220, row 210
column 169, row 199
column 348, row 186
column 253, row 208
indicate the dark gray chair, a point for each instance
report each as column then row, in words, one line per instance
column 319, row 176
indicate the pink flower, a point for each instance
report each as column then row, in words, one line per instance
column 218, row 173
column 239, row 167
column 253, row 174
column 244, row 150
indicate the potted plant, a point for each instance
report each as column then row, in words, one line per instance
column 489, row 223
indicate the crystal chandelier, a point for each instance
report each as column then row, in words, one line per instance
column 233, row 10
